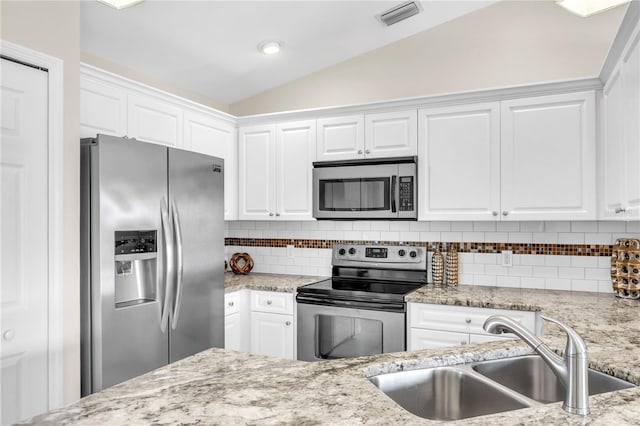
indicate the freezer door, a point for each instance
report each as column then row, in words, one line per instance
column 196, row 194
column 128, row 184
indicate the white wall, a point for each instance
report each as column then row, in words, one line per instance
column 576, row 273
column 508, row 43
column 54, row 28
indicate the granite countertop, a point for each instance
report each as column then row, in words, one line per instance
column 226, row 387
column 267, row 282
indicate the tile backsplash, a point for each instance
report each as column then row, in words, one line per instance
column 569, row 255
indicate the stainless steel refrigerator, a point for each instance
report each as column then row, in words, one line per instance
column 152, row 241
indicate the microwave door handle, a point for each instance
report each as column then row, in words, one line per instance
column 394, row 183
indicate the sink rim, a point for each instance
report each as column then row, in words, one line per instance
column 468, row 369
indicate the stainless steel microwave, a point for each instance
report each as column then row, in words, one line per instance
column 382, row 188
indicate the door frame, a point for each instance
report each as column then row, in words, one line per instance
column 55, row 247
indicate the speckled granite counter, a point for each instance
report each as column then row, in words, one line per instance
column 267, row 282
column 219, row 387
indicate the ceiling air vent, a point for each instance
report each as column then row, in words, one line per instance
column 399, row 13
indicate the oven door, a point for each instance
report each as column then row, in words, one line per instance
column 329, row 332
column 355, row 192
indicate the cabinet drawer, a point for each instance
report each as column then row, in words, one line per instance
column 462, row 319
column 233, row 302
column 274, row 302
column 431, row 339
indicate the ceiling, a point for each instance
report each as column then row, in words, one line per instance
column 210, row 47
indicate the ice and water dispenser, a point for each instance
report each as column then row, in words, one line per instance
column 136, row 259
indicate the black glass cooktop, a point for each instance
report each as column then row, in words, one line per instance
column 350, row 289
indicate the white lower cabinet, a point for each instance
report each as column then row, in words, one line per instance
column 236, row 321
column 436, row 326
column 272, row 324
column 260, row 322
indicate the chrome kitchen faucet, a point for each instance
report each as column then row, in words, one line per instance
column 571, row 369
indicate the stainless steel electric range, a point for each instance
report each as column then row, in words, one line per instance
column 360, row 310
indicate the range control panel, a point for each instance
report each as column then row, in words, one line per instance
column 355, row 254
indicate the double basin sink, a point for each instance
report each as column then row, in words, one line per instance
column 482, row 388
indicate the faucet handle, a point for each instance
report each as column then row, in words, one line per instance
column 575, row 344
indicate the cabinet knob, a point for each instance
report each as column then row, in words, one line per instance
column 505, row 213
column 359, row 151
column 277, row 214
column 270, row 214
column 230, row 303
column 269, row 302
column 495, row 213
column 620, row 210
column 366, row 151
column 9, row 335
column 468, row 320
column 287, row 323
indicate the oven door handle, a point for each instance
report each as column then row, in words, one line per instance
column 394, row 183
column 353, row 304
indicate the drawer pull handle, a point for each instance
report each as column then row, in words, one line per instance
column 269, row 302
column 468, row 320
column 288, row 323
column 231, row 303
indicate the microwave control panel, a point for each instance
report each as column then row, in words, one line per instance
column 406, row 193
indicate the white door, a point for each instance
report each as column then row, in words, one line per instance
column 391, row 134
column 340, row 138
column 256, row 172
column 23, row 279
column 548, row 157
column 209, row 135
column 296, row 151
column 459, row 167
column 272, row 334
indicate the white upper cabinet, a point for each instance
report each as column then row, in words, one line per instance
column 340, row 138
column 459, row 162
column 154, row 120
column 295, row 148
column 548, row 158
column 256, row 172
column 210, row 135
column 620, row 148
column 103, row 109
column 275, row 171
column 391, row 134
column 387, row 134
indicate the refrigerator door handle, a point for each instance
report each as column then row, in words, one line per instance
column 179, row 264
column 167, row 264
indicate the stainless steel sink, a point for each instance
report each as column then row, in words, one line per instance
column 530, row 376
column 482, row 388
column 446, row 393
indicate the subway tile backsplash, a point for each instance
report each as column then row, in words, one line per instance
column 547, row 255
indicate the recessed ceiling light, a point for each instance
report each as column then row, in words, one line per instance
column 120, row 4
column 269, row 47
column 586, row 8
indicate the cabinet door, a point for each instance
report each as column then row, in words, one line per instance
column 391, row 134
column 459, row 162
column 236, row 333
column 340, row 138
column 296, row 151
column 548, row 157
column 272, row 334
column 612, row 161
column 631, row 80
column 210, row 135
column 103, row 109
column 154, row 120
column 430, row 339
column 256, row 172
